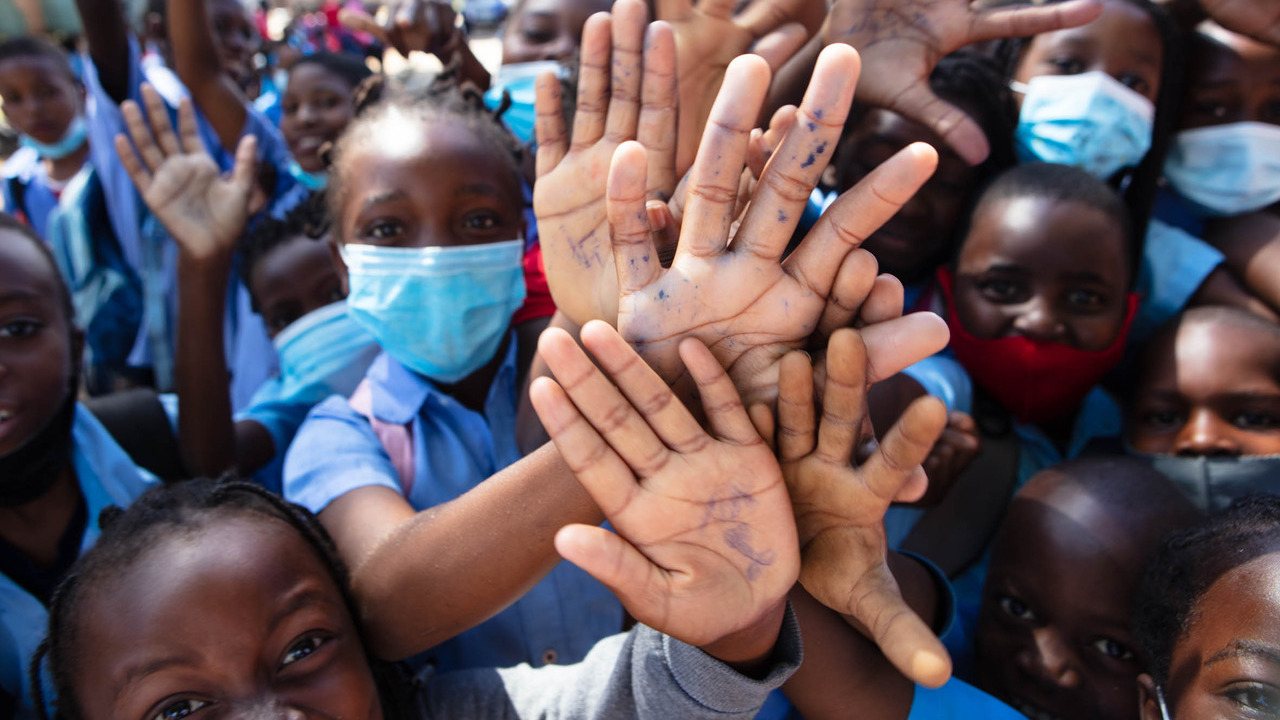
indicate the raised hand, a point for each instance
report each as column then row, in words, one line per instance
column 901, row 42
column 739, row 299
column 1259, row 19
column 706, row 546
column 204, row 211
column 840, row 508
column 626, row 91
column 425, row 25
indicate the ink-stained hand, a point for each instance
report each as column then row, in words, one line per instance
column 840, row 507
column 705, row 549
column 740, row 299
column 901, row 42
column 181, row 184
column 626, row 91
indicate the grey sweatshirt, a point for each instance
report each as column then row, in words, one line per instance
column 633, row 676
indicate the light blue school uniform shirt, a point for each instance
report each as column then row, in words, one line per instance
column 38, row 197
column 107, row 477
column 455, row 449
column 1174, row 266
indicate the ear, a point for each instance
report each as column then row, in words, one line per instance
column 338, row 265
column 1148, row 704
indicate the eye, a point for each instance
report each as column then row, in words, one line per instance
column 384, row 229
column 302, row 649
column 1136, row 83
column 1262, row 699
column 1087, row 300
column 20, row 329
column 179, row 709
column 1162, row 418
column 280, row 321
column 1016, row 609
column 1067, row 65
column 335, row 294
column 999, row 290
column 485, row 220
column 1255, row 421
column 1209, row 110
column 1113, row 649
column 537, row 35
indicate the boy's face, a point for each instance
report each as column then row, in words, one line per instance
column 1053, row 635
column 1227, row 664
column 1123, row 43
column 1231, row 79
column 293, row 279
column 40, row 99
column 912, row 243
column 239, row 619
column 547, row 29
column 1209, row 389
column 1047, row 270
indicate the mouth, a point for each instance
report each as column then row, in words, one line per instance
column 1031, row 711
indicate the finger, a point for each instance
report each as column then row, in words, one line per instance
column 721, row 9
column 656, row 128
column 766, row 16
column 608, row 412
column 602, row 473
column 883, row 303
column 720, row 399
column 962, row 422
column 548, row 124
column 619, row 566
column 140, row 133
column 663, row 230
column 844, row 397
column 796, row 415
column 897, row 344
column 644, row 389
column 854, row 282
column 1027, row 21
column 796, row 166
column 762, row 418
column 593, row 81
column 914, row 488
column 712, row 189
column 859, row 212
column 158, row 115
column 672, row 10
column 138, row 173
column 244, row 172
column 901, row 635
column 634, row 254
column 630, row 18
column 780, row 45
column 904, row 448
column 949, row 122
column 362, row 22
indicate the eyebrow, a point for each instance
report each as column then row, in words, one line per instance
column 19, row 296
column 388, row 196
column 1246, row 648
column 138, row 671
column 298, row 598
column 481, row 188
column 1084, row 276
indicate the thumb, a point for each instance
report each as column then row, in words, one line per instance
column 948, row 121
column 619, row 566
column 901, row 634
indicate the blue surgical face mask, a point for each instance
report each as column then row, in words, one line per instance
column 1227, row 169
column 519, row 80
column 72, row 140
column 1090, row 121
column 325, row 352
column 315, row 182
column 439, row 311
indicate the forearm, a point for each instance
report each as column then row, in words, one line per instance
column 421, row 584
column 205, row 428
column 1222, row 288
column 107, row 35
column 1251, row 245
column 32, row 15
column 469, row 66
column 195, row 58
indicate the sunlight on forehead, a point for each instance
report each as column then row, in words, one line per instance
column 398, row 133
column 1023, row 214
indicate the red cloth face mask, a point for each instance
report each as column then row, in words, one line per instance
column 1035, row 380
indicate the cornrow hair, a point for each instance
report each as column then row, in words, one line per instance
column 427, row 98
column 1188, row 563
column 309, row 219
column 344, row 66
column 181, row 509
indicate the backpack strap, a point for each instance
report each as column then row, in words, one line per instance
column 18, row 192
column 396, row 439
column 137, row 421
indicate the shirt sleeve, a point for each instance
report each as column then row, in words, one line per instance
column 942, row 377
column 1174, row 266
column 335, row 452
column 640, row 674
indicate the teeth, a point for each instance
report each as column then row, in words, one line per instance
column 1031, row 711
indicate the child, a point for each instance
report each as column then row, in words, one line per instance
column 59, row 467
column 1206, row 407
column 1053, row 637
column 1205, row 618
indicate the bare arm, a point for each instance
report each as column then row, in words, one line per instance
column 1222, row 288
column 195, row 57
column 107, row 35
column 32, row 15
column 1251, row 244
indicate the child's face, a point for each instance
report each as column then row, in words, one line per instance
column 292, row 279
column 235, row 37
column 1227, row 664
column 1044, row 269
column 1124, row 43
column 40, row 99
column 547, row 29
column 37, row 353
column 912, row 243
column 1210, row 389
column 438, row 184
column 239, row 619
column 315, row 109
column 1053, row 635
column 1231, row 79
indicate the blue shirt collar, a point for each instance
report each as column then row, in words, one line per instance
column 399, row 393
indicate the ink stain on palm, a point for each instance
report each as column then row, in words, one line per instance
column 782, row 217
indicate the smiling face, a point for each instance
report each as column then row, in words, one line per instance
column 1123, row 43
column 40, row 99
column 1055, row 649
column 238, row 618
column 1209, row 388
column 1227, row 663
column 547, row 29
column 292, row 279
column 1230, row 79
column 315, row 109
column 1044, row 269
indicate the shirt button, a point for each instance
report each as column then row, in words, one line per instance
column 550, row 656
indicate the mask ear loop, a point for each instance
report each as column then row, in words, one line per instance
column 1164, row 707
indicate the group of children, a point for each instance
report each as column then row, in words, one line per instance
column 939, row 379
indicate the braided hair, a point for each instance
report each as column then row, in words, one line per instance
column 182, row 509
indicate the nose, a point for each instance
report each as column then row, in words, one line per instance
column 307, row 113
column 1037, row 320
column 1205, row 434
column 267, row 709
column 1051, row 659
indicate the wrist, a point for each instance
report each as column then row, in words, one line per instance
column 750, row 649
column 204, row 264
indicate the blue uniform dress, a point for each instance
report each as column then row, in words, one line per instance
column 455, row 449
column 107, row 477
